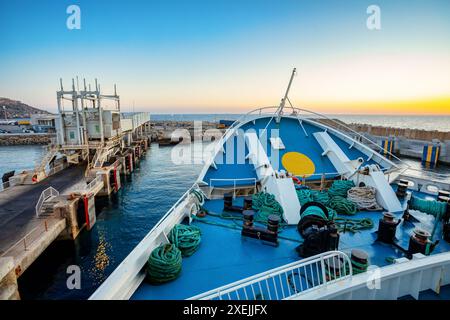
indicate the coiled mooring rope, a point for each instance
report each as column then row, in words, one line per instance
column 340, row 188
column 364, row 198
column 164, row 264
column 318, row 212
column 266, row 205
column 353, row 225
column 358, row 267
column 307, row 195
column 186, row 238
column 435, row 208
column 342, row 206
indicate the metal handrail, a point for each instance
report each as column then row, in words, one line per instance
column 56, row 169
column 40, row 166
column 23, row 241
column 47, row 193
column 93, row 183
column 5, row 185
column 282, row 283
column 132, row 263
column 254, row 180
column 259, row 111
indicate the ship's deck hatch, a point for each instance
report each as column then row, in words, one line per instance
column 277, row 143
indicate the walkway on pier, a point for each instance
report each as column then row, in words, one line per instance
column 18, row 219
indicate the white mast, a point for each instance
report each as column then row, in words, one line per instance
column 283, row 101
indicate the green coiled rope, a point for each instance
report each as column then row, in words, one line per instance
column 358, row 267
column 266, row 205
column 435, row 208
column 164, row 264
column 186, row 238
column 304, row 196
column 340, row 188
column 343, row 206
column 316, row 211
column 353, row 225
column 307, row 195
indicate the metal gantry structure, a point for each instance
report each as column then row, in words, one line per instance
column 84, row 123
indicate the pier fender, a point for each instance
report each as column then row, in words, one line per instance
column 89, row 210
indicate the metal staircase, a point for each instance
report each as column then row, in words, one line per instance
column 46, row 202
column 40, row 167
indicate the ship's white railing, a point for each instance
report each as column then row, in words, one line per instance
column 286, row 281
column 404, row 277
column 297, row 111
column 271, row 110
column 46, row 194
column 125, row 279
column 234, row 182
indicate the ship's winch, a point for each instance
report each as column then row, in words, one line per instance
column 319, row 232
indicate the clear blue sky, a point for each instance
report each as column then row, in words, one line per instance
column 227, row 55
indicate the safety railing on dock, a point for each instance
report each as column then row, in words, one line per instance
column 91, row 185
column 55, row 169
column 286, row 281
column 46, row 194
column 4, row 186
column 26, row 241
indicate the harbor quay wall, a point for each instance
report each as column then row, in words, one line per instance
column 25, row 139
column 412, row 134
column 408, row 142
column 184, row 129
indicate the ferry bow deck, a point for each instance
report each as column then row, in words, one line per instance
column 268, row 153
column 224, row 256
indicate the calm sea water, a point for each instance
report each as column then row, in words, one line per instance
column 122, row 221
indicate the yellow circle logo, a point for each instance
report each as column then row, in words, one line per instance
column 298, row 164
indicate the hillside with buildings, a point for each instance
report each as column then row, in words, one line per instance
column 14, row 109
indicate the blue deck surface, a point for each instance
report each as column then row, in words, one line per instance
column 224, row 256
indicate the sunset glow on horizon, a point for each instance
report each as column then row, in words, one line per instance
column 231, row 57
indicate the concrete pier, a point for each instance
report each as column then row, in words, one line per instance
column 8, row 280
column 64, row 213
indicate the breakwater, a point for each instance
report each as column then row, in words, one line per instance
column 26, row 139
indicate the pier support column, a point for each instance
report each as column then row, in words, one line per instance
column 9, row 289
column 69, row 210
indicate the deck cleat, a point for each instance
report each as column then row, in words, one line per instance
column 387, row 228
column 402, row 187
column 267, row 236
column 420, row 242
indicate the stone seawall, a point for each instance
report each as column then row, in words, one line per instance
column 25, row 139
column 413, row 134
